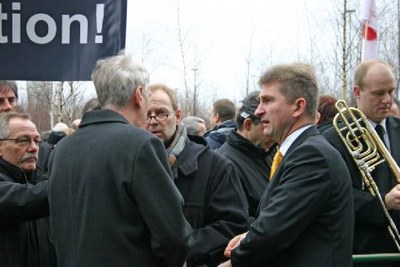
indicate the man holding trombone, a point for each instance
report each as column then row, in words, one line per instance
column 374, row 88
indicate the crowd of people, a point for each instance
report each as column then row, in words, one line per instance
column 271, row 183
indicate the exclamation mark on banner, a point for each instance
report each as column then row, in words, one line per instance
column 99, row 23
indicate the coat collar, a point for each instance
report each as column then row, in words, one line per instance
column 188, row 160
column 393, row 128
column 13, row 172
column 101, row 116
column 245, row 146
column 300, row 139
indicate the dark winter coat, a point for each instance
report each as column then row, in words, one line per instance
column 112, row 198
column 216, row 137
column 215, row 203
column 23, row 241
column 253, row 164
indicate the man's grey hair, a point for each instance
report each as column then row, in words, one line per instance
column 192, row 124
column 12, row 85
column 116, row 79
column 5, row 118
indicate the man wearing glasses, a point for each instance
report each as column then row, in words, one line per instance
column 23, row 198
column 215, row 203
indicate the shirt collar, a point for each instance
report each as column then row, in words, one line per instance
column 291, row 138
column 383, row 123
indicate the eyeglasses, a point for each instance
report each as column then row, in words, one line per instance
column 158, row 117
column 23, row 141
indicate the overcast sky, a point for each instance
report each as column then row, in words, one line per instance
column 218, row 37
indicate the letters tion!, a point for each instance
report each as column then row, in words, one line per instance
column 57, row 40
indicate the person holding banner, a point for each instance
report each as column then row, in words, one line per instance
column 112, row 199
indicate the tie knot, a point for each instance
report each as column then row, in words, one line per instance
column 278, row 156
column 379, row 127
column 381, row 132
column 275, row 163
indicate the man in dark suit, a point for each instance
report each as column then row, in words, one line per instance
column 306, row 214
column 374, row 87
column 111, row 195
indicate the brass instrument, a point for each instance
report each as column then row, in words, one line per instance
column 367, row 150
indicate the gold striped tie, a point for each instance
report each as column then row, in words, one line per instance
column 275, row 163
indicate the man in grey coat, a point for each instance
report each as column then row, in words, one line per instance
column 112, row 198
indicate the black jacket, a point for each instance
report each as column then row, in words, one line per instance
column 112, row 198
column 215, row 204
column 217, row 136
column 22, row 203
column 253, row 164
column 370, row 232
column 323, row 127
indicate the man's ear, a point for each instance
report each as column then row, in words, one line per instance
column 138, row 97
column 216, row 117
column 299, row 107
column 247, row 124
column 357, row 91
column 318, row 118
column 178, row 115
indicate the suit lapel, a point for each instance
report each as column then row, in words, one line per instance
column 303, row 136
column 276, row 179
column 393, row 126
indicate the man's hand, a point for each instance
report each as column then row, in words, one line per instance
column 392, row 199
column 233, row 244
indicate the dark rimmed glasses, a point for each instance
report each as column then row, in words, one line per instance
column 23, row 141
column 160, row 117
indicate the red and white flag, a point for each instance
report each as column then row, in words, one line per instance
column 370, row 33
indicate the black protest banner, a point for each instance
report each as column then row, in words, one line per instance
column 58, row 40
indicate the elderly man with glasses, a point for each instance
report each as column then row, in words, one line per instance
column 215, row 204
column 23, row 198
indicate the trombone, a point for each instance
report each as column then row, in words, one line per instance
column 368, row 151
